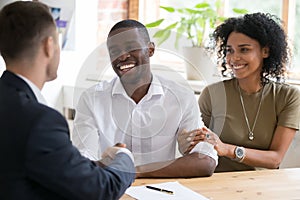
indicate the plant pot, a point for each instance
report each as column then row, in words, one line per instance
column 199, row 65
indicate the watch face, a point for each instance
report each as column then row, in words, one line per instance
column 239, row 152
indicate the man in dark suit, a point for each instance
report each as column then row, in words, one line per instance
column 38, row 159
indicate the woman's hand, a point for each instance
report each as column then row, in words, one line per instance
column 187, row 140
column 214, row 139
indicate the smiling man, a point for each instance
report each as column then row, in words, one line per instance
column 142, row 110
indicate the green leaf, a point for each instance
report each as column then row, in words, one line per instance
column 202, row 5
column 189, row 22
column 154, row 24
column 191, row 11
column 182, row 11
column 160, row 33
column 163, row 37
column 180, row 31
column 210, row 13
column 169, row 9
column 221, row 19
column 171, row 26
column 240, row 11
column 199, row 35
column 201, row 23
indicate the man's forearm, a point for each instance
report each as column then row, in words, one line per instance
column 191, row 165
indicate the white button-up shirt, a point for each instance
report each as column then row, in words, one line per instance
column 106, row 115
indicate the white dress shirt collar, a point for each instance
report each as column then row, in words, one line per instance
column 35, row 90
column 156, row 88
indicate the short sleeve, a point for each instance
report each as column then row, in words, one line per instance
column 205, row 106
column 289, row 113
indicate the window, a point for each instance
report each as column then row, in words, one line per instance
column 297, row 39
column 287, row 10
column 270, row 6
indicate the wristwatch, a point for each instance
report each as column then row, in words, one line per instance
column 240, row 154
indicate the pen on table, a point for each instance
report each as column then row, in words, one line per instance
column 159, row 189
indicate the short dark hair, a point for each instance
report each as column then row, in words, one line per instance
column 23, row 25
column 130, row 23
column 267, row 30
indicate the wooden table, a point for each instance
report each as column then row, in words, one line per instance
column 253, row 185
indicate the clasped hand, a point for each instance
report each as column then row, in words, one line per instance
column 187, row 140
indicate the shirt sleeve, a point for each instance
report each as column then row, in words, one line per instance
column 206, row 149
column 126, row 151
column 289, row 111
column 191, row 118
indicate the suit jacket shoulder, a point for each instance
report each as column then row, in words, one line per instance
column 40, row 160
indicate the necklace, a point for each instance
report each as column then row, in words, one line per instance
column 250, row 134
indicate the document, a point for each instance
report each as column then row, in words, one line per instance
column 179, row 192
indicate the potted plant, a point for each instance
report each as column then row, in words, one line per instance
column 195, row 24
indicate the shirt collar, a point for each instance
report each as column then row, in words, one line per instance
column 118, row 87
column 156, row 88
column 35, row 90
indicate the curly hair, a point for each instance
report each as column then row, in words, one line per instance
column 267, row 30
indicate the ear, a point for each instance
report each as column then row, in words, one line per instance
column 265, row 52
column 49, row 46
column 151, row 48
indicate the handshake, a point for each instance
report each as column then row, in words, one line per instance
column 110, row 153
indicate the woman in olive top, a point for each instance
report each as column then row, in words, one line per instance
column 253, row 116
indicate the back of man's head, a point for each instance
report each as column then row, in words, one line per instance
column 23, row 26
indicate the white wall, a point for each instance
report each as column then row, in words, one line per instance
column 85, row 32
column 4, row 2
column 84, row 40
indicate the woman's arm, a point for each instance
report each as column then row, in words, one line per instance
column 271, row 158
column 258, row 158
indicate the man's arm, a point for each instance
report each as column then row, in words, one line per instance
column 55, row 164
column 190, row 165
column 196, row 164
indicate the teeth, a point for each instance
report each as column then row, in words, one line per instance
column 126, row 66
column 237, row 66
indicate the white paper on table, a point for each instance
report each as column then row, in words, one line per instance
column 180, row 192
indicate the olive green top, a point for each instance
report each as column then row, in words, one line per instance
column 222, row 112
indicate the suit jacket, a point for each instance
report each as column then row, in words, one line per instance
column 38, row 160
